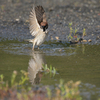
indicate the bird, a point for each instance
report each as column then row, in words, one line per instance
column 38, row 25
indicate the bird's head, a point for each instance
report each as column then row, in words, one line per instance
column 44, row 25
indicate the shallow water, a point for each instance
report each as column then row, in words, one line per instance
column 72, row 62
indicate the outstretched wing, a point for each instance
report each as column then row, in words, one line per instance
column 34, row 26
column 40, row 14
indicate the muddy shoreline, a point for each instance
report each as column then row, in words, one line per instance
column 14, row 15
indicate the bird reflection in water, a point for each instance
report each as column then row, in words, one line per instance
column 35, row 67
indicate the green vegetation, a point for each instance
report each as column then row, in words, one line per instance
column 18, row 90
column 50, row 70
column 84, row 32
column 73, row 33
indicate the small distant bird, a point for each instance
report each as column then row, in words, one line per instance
column 38, row 25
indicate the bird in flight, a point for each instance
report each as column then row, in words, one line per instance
column 38, row 25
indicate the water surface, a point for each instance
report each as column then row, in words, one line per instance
column 72, row 62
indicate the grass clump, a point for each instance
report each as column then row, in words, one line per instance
column 69, row 90
column 17, row 90
column 50, row 70
column 73, row 35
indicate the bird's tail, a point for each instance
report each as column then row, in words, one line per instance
column 29, row 40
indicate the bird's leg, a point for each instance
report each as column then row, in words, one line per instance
column 33, row 46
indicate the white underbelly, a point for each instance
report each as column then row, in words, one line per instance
column 40, row 39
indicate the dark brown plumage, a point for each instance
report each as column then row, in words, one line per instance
column 40, row 14
column 41, row 17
